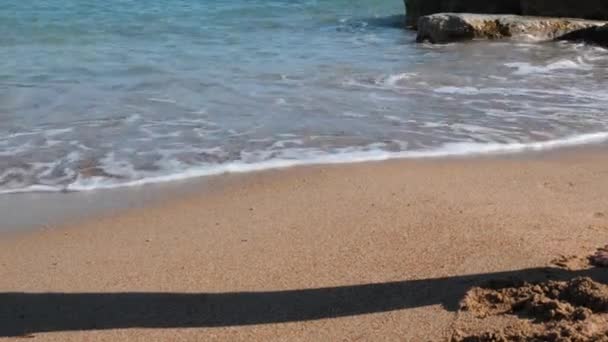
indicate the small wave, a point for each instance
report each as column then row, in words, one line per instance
column 57, row 131
column 394, row 118
column 162, row 100
column 133, row 118
column 390, row 81
column 457, row 90
column 564, row 64
column 301, row 156
column 394, row 80
column 355, row 115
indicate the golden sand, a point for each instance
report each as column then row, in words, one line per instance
column 374, row 251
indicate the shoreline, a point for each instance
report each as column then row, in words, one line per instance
column 360, row 251
column 56, row 209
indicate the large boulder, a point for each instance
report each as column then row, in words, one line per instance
column 587, row 9
column 593, row 35
column 452, row 27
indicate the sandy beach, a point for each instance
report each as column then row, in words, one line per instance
column 361, row 252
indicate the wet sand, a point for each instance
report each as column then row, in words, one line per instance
column 375, row 251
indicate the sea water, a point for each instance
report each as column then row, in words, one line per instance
column 99, row 94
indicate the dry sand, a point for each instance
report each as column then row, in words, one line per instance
column 399, row 250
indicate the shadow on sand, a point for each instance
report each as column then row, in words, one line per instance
column 26, row 313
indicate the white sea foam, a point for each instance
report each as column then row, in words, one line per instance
column 280, row 101
column 133, row 118
column 303, row 156
column 350, row 114
column 390, row 81
column 394, row 118
column 394, row 80
column 524, row 68
column 284, row 143
column 57, row 131
column 458, row 90
column 162, row 100
column 16, row 150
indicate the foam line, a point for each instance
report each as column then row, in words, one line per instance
column 446, row 150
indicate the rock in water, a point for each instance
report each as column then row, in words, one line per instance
column 444, row 28
column 453, row 27
column 597, row 35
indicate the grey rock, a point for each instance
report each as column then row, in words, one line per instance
column 597, row 35
column 453, row 27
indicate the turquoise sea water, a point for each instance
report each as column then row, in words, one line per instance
column 98, row 94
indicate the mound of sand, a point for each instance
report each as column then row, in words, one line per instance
column 574, row 310
column 600, row 258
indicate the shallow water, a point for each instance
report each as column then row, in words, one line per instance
column 121, row 92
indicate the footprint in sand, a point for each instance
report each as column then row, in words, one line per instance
column 573, row 262
column 559, row 187
column 570, row 262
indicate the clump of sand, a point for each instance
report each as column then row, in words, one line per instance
column 600, row 258
column 575, row 310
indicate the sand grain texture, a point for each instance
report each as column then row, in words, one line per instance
column 376, row 251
